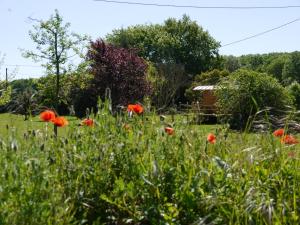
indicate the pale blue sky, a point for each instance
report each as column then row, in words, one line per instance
column 97, row 19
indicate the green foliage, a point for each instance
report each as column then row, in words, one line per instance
column 110, row 175
column 283, row 66
column 47, row 95
column 54, row 44
column 275, row 67
column 245, row 92
column 175, row 42
column 72, row 83
column 5, row 93
column 21, row 85
column 291, row 70
column 5, row 89
column 231, row 63
column 212, row 77
column 24, row 103
column 168, row 82
column 252, row 62
column 294, row 90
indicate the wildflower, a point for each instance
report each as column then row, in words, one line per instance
column 88, row 122
column 289, row 140
column 278, row 132
column 169, row 130
column 138, row 109
column 60, row 121
column 47, row 115
column 211, row 138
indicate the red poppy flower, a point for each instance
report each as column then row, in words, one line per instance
column 278, row 132
column 138, row 109
column 47, row 115
column 88, row 122
column 289, row 140
column 211, row 138
column 60, row 121
column 169, row 130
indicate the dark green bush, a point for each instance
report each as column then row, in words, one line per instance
column 245, row 92
column 294, row 90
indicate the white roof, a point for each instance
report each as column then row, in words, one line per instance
column 204, row 88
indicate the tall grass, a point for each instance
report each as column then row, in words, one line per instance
column 137, row 174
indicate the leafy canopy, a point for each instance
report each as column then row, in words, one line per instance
column 55, row 44
column 176, row 41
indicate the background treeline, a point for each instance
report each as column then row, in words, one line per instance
column 158, row 65
column 283, row 66
column 167, row 78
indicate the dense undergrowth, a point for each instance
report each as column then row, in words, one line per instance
column 114, row 173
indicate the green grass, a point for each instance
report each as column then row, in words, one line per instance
column 111, row 175
column 15, row 123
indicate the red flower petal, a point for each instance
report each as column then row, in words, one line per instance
column 47, row 115
column 138, row 109
column 169, row 130
column 88, row 122
column 278, row 132
column 211, row 138
column 60, row 121
column 289, row 140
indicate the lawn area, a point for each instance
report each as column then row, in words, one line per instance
column 15, row 123
column 130, row 171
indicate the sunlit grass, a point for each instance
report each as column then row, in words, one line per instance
column 16, row 123
column 138, row 174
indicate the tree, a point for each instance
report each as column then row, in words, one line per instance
column 168, row 81
column 54, row 43
column 275, row 67
column 252, row 61
column 294, row 90
column 245, row 92
column 118, row 69
column 72, row 83
column 231, row 63
column 174, row 42
column 291, row 70
column 21, row 85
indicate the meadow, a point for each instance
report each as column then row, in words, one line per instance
column 128, row 170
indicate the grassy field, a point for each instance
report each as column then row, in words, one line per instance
column 129, row 171
column 12, row 123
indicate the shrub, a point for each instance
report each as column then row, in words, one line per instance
column 245, row 92
column 24, row 103
column 294, row 90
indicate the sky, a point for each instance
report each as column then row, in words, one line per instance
column 97, row 19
